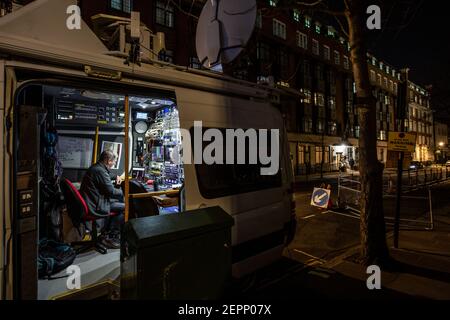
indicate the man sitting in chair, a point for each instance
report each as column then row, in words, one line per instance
column 102, row 198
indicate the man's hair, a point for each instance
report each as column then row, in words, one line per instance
column 107, row 155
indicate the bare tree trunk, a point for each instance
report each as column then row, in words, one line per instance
column 374, row 248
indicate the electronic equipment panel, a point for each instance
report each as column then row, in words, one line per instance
column 81, row 113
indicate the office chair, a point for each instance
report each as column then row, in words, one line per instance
column 143, row 207
column 79, row 213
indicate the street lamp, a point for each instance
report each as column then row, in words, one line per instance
column 441, row 144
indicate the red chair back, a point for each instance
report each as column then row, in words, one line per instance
column 76, row 206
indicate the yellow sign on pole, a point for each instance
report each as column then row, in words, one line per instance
column 402, row 141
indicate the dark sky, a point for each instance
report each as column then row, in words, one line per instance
column 416, row 34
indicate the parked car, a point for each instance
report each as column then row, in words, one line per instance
column 428, row 163
column 415, row 165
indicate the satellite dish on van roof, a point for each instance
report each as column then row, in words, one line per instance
column 223, row 30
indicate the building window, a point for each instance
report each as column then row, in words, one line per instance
column 346, row 63
column 315, row 47
column 379, row 79
column 381, row 65
column 373, row 76
column 385, row 82
column 318, row 27
column 349, row 106
column 320, row 126
column 259, row 20
column 296, row 15
column 354, row 87
column 307, row 125
column 374, row 61
column 122, row 5
column 387, row 69
column 337, row 57
column 279, row 29
column 326, row 52
column 302, row 40
column 319, row 99
column 307, row 22
column 391, row 85
column 164, row 14
column 332, row 128
column 307, row 94
column 273, row 3
column 262, row 51
column 331, row 32
column 357, row 131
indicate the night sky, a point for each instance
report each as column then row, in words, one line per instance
column 415, row 34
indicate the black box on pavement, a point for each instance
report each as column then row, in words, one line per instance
column 181, row 256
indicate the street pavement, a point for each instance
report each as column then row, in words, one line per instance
column 321, row 262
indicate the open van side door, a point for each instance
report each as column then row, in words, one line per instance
column 8, row 85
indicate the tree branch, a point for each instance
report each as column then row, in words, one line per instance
column 316, row 3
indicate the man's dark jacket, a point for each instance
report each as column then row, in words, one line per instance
column 98, row 190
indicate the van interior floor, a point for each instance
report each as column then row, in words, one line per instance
column 95, row 268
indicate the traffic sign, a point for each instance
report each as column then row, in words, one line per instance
column 402, row 141
column 320, row 197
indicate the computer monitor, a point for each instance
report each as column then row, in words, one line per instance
column 141, row 116
column 168, row 154
column 158, row 153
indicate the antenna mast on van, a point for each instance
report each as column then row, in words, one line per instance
column 127, row 37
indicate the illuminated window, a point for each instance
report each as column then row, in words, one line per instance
column 319, row 99
column 307, row 22
column 318, row 27
column 307, row 94
column 331, row 32
column 373, row 76
column 273, row 3
column 296, row 15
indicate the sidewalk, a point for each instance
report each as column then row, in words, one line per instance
column 326, row 175
column 422, row 270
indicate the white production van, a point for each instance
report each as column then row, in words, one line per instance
column 42, row 57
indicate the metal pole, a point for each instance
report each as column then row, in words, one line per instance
column 431, row 209
column 94, row 159
column 399, row 194
column 127, row 157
